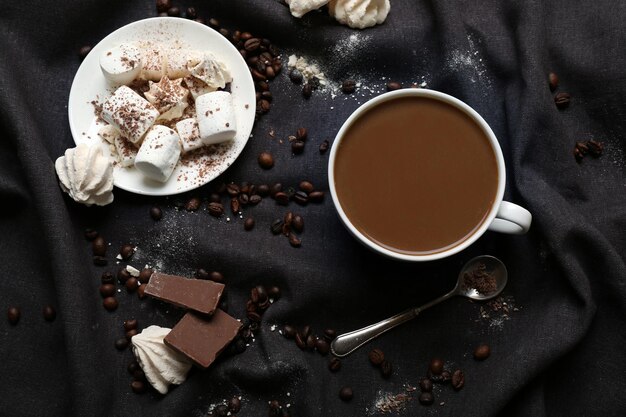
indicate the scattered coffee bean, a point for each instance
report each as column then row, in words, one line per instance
column 305, row 331
column 263, row 106
column 192, row 13
column 49, row 313
column 234, row 405
column 138, row 387
column 301, row 133
column 90, row 234
column 216, row 276
column 141, row 291
column 163, row 5
column 235, row 207
column 322, row 346
column 121, row 343
column 243, row 199
column 310, row 341
column 126, row 251
column 131, row 333
column 346, row 393
column 300, row 341
column 274, row 293
column 553, row 80
column 296, row 76
column 130, row 324
column 289, row 331
column 255, row 199
column 107, row 278
column 393, row 85
column 294, row 240
column 145, row 274
column 107, row 290
column 110, row 303
column 386, row 369
column 301, row 198
column 458, row 379
column 276, row 227
column 193, row 204
column 266, row 160
column 248, row 224
column 306, row 186
column 297, row 224
column 216, row 209
column 201, row 273
column 595, row 148
column 316, row 196
column 156, row 213
column 436, row 366
column 324, row 146
column 426, row 385
column 275, row 189
column 123, row 275
column 99, row 246
column 214, row 23
column 307, row 90
column 282, row 198
column 13, row 314
column 263, row 190
column 99, row 261
column 348, row 86
column 330, row 334
column 562, row 100
column 482, row 352
column 426, row 398
column 173, row 11
column 233, row 190
column 131, row 284
column 334, row 365
column 84, row 51
column 297, row 147
column 132, row 367
column 376, row 357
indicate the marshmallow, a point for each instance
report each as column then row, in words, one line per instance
column 159, row 153
column 299, row 8
column 154, row 61
column 130, row 113
column 205, row 67
column 169, row 97
column 189, row 134
column 216, row 117
column 197, row 87
column 86, row 175
column 359, row 14
column 121, row 64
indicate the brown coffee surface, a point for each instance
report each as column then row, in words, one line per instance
column 416, row 175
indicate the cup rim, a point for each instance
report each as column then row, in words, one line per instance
column 437, row 95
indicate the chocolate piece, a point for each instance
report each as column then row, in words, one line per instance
column 194, row 294
column 202, row 340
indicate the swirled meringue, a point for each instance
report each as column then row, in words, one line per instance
column 162, row 365
column 359, row 14
column 86, row 175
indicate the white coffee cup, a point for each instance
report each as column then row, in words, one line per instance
column 503, row 216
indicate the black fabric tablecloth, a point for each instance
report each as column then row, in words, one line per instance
column 559, row 351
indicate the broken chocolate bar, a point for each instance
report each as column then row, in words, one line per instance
column 194, row 294
column 202, row 340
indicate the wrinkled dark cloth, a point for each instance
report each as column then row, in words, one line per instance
column 560, row 353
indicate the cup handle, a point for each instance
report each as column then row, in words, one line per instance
column 512, row 219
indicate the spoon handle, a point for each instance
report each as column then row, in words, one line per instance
column 347, row 343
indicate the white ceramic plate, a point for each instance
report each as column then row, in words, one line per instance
column 90, row 85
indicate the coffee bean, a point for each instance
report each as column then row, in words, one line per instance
column 131, row 284
column 275, row 189
column 270, row 73
column 322, row 346
column 263, row 106
column 426, row 385
column 173, row 11
column 426, row 398
column 163, row 5
column 121, row 343
column 297, row 147
column 200, row 20
column 123, row 275
column 562, row 100
column 90, row 234
column 99, row 246
column 297, row 224
column 243, row 199
column 248, row 224
column 141, row 291
column 110, row 303
column 376, row 357
column 294, row 241
column 295, row 76
column 49, row 313
column 445, row 376
column 301, row 198
column 192, row 13
column 216, row 276
column 130, row 324
column 307, row 90
column 324, row 146
column 266, row 160
column 281, row 198
column 289, row 331
column 13, row 314
column 316, row 196
column 234, row 405
column 132, row 367
column 145, row 274
column 274, row 292
column 300, row 341
column 252, row 44
column 126, row 251
column 276, row 227
column 482, row 352
column 107, row 278
column 84, row 51
column 393, row 85
column 330, row 334
column 306, row 186
column 263, row 190
column 301, row 133
column 458, row 379
column 235, row 207
column 386, row 369
column 346, row 393
column 131, row 333
column 233, row 190
column 138, row 387
column 436, row 366
column 193, row 204
column 310, row 341
column 107, row 290
column 334, row 365
column 99, row 261
column 216, row 209
column 156, row 213
column 553, row 81
column 348, row 86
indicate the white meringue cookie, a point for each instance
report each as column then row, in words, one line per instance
column 216, row 117
column 86, row 175
column 176, row 58
column 169, row 97
column 121, row 64
column 205, row 67
column 359, row 14
column 130, row 113
column 159, row 153
column 299, row 8
column 162, row 365
column 197, row 87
